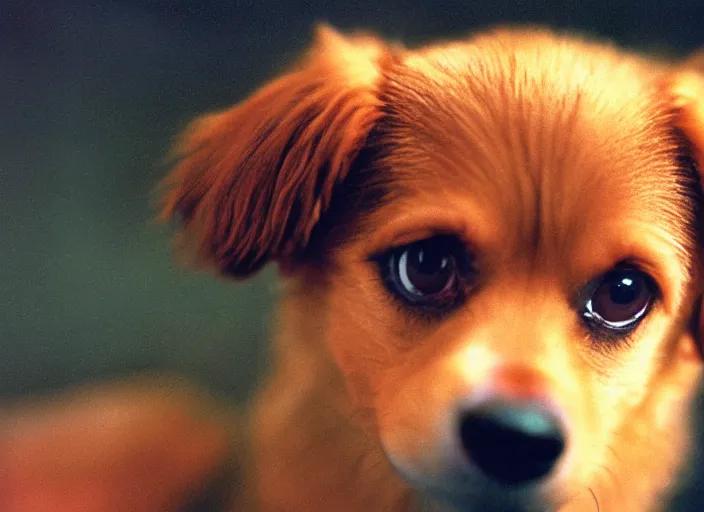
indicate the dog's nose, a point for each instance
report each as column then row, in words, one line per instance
column 511, row 444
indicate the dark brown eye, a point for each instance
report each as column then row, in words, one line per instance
column 427, row 272
column 621, row 299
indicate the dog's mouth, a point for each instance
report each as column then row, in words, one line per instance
column 501, row 455
column 504, row 456
column 486, row 500
column 464, row 489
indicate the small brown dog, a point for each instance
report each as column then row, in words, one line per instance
column 491, row 258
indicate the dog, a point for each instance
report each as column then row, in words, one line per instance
column 491, row 262
column 490, row 255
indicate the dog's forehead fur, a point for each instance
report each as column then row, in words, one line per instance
column 552, row 136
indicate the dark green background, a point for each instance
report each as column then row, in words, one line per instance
column 91, row 94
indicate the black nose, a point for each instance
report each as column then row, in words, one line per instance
column 511, row 444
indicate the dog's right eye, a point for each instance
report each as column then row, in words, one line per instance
column 429, row 273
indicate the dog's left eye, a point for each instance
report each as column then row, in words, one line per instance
column 427, row 273
column 620, row 300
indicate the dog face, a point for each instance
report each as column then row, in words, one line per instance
column 503, row 234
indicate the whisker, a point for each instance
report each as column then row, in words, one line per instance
column 613, row 478
column 596, row 501
column 613, row 452
column 617, row 484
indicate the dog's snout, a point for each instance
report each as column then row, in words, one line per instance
column 512, row 444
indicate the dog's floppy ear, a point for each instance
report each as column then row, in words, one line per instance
column 252, row 181
column 686, row 89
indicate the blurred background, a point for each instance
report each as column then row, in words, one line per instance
column 91, row 94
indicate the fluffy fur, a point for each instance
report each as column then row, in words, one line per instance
column 555, row 159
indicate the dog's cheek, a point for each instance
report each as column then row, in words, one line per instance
column 362, row 335
column 639, row 398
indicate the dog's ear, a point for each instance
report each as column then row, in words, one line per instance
column 685, row 87
column 251, row 182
